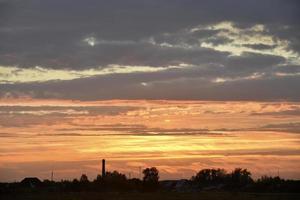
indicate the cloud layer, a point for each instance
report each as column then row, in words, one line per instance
column 150, row 50
column 175, row 136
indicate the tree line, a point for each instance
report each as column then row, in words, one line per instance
column 206, row 179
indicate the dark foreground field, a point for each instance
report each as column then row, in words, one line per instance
column 150, row 196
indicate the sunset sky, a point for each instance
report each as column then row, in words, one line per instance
column 177, row 84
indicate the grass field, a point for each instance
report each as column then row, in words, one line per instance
column 150, row 196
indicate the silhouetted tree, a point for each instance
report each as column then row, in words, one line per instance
column 203, row 176
column 115, row 179
column 135, row 184
column 238, row 180
column 99, row 179
column 151, row 177
column 115, row 176
column 210, row 176
column 75, row 181
column 84, row 178
column 218, row 175
column 241, row 177
column 268, row 183
column 74, row 186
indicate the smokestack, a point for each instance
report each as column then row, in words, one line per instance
column 103, row 168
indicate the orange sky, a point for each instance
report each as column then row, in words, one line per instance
column 178, row 137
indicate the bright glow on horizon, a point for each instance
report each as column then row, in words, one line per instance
column 71, row 137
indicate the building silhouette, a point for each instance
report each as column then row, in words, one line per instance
column 103, row 168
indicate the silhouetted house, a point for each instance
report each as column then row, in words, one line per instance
column 176, row 185
column 31, row 182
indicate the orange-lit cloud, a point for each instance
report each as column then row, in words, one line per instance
column 179, row 137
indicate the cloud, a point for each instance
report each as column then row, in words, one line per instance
column 260, row 46
column 246, row 40
column 291, row 112
column 172, row 135
column 129, row 52
column 32, row 115
column 11, row 75
column 292, row 127
column 64, row 110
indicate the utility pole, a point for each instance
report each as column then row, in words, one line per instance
column 140, row 170
column 52, row 175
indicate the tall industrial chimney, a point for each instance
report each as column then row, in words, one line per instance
column 103, row 168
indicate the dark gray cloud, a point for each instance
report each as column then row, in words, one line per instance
column 175, row 85
column 291, row 112
column 25, row 116
column 50, row 32
column 293, row 127
column 80, row 35
column 260, row 46
column 289, row 69
column 65, row 110
column 252, row 62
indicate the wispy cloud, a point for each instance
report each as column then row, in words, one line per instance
column 12, row 74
